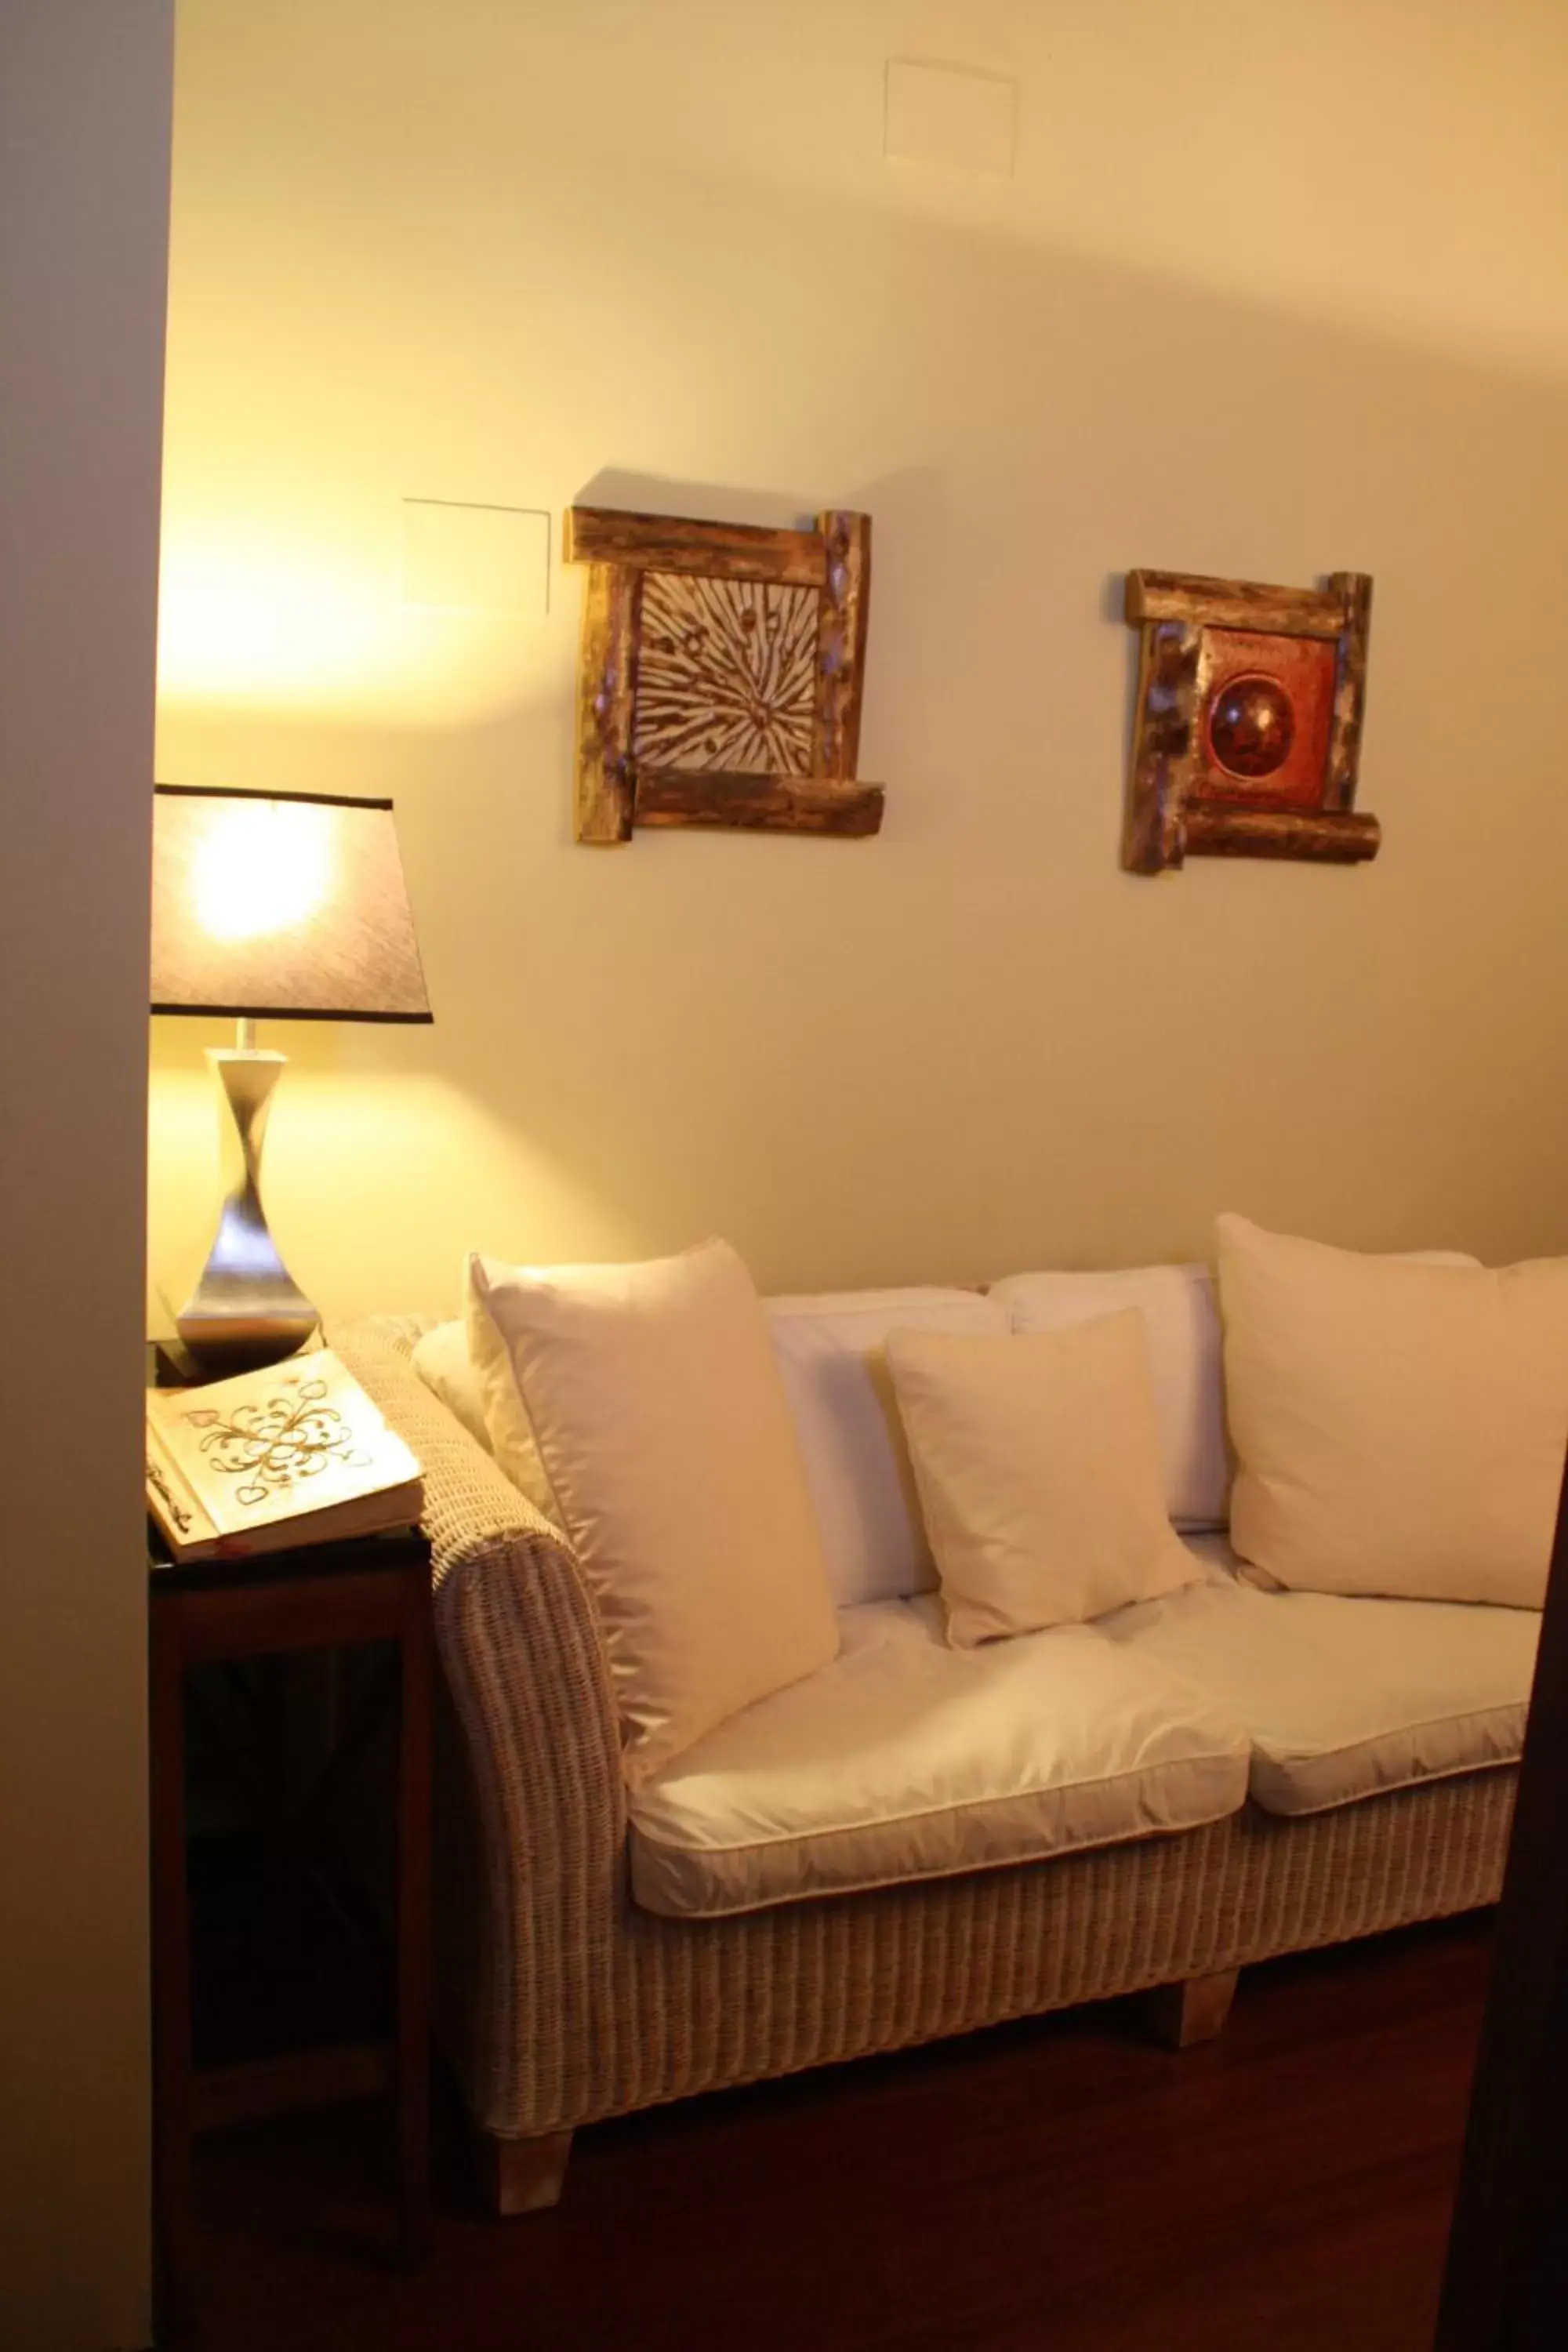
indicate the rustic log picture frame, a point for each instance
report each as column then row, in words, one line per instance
column 1284, row 671
column 720, row 674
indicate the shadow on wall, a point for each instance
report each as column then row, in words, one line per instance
column 972, row 1044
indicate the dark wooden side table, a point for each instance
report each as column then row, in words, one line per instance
column 375, row 1589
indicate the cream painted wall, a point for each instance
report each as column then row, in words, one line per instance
column 1283, row 299
column 85, row 90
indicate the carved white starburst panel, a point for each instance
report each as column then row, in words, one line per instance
column 720, row 674
column 725, row 675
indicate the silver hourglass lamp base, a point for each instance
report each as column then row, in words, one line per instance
column 246, row 1311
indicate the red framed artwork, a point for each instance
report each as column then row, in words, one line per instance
column 1247, row 737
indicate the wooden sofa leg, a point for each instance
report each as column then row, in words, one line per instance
column 525, row 2176
column 1182, row 2014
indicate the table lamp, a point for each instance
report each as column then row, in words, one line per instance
column 286, row 906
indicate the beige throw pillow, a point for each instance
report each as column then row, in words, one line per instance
column 1399, row 1427
column 509, row 1432
column 1037, row 1458
column 651, row 1395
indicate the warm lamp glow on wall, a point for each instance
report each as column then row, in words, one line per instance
column 288, row 906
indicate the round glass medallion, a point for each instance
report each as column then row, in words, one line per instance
column 1251, row 726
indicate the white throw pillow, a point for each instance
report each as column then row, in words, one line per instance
column 831, row 1355
column 1179, row 1307
column 1037, row 1460
column 1399, row 1427
column 650, row 1396
column 511, row 1432
column 442, row 1360
column 829, row 1352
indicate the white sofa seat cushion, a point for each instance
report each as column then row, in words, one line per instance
column 906, row 1759
column 1341, row 1696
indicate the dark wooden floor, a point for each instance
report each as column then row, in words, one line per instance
column 1059, row 2184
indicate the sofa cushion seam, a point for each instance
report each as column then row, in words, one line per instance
column 934, row 1812
column 952, row 1870
column 1393, row 1731
column 1386, row 1788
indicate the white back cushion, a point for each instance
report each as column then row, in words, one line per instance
column 1399, row 1427
column 831, row 1354
column 1179, row 1305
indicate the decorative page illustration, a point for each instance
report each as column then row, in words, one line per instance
column 288, row 1443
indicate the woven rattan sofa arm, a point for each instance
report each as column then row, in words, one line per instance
column 523, row 1951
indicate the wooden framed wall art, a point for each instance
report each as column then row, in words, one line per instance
column 1248, row 731
column 720, row 674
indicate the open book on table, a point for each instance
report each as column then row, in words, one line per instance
column 296, row 1454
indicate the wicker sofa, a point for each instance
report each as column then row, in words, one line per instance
column 562, row 2000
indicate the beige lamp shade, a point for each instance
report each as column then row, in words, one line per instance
column 286, row 906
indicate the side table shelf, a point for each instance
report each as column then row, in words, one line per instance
column 375, row 1588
